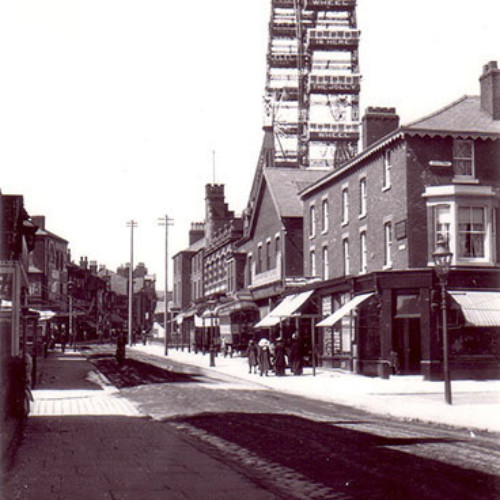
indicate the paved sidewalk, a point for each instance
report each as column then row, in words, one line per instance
column 83, row 441
column 70, row 385
column 476, row 404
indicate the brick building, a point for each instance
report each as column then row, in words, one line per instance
column 370, row 228
column 48, row 269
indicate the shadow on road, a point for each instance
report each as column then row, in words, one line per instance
column 134, row 373
column 358, row 464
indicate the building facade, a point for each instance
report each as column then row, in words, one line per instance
column 371, row 228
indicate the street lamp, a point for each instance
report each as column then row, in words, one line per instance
column 442, row 261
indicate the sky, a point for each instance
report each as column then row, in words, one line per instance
column 110, row 110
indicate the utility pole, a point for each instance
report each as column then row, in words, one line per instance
column 166, row 221
column 131, row 224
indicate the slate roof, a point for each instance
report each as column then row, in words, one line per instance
column 285, row 184
column 462, row 116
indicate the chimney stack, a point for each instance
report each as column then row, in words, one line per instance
column 197, row 232
column 39, row 221
column 377, row 123
column 490, row 89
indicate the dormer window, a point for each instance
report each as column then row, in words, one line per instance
column 463, row 158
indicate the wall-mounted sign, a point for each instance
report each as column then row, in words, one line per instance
column 400, row 230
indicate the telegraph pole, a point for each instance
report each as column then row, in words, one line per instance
column 166, row 221
column 131, row 224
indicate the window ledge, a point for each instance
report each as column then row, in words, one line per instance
column 387, row 267
column 345, row 223
column 325, row 231
column 386, row 188
column 362, row 216
column 459, row 179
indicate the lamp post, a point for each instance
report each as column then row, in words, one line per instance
column 72, row 338
column 131, row 224
column 442, row 261
column 166, row 221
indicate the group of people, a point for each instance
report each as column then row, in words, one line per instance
column 266, row 356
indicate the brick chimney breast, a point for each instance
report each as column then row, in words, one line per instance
column 490, row 89
column 377, row 123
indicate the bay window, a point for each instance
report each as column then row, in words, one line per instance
column 464, row 216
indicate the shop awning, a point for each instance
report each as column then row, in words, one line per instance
column 289, row 305
column 235, row 305
column 345, row 309
column 479, row 308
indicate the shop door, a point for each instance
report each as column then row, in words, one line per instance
column 406, row 343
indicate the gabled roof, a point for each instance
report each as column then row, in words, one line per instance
column 45, row 232
column 285, row 184
column 462, row 116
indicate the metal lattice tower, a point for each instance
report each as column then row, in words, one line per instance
column 313, row 82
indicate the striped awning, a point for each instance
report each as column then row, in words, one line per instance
column 478, row 308
column 345, row 309
column 286, row 308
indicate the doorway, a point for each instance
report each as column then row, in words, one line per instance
column 406, row 342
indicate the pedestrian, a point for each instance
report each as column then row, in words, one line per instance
column 394, row 362
column 296, row 355
column 120, row 348
column 64, row 340
column 280, row 360
column 264, row 360
column 144, row 337
column 252, row 354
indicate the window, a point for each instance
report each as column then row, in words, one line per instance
column 463, row 158
column 259, row 259
column 345, row 206
column 326, row 270
column 363, row 255
column 345, row 255
column 276, row 250
column 250, row 269
column 268, row 255
column 471, row 232
column 387, row 244
column 442, row 223
column 312, row 262
column 312, row 221
column 362, row 197
column 324, row 216
column 386, row 172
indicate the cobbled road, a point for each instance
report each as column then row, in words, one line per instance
column 300, row 448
